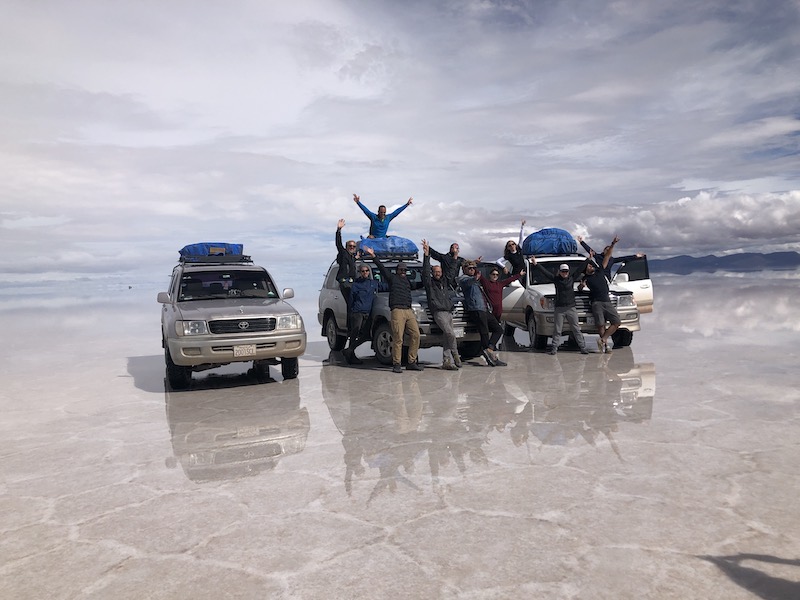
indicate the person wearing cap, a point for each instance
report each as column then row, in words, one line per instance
column 602, row 307
column 478, row 310
column 564, row 305
column 379, row 224
column 346, row 259
column 441, row 306
column 403, row 319
column 362, row 294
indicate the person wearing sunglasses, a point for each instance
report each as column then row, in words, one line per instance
column 346, row 257
column 512, row 254
column 362, row 294
column 479, row 312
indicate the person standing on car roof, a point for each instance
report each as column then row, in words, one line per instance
column 346, row 259
column 441, row 306
column 565, row 308
column 602, row 307
column 403, row 318
column 361, row 295
column 379, row 224
column 608, row 260
column 477, row 307
column 451, row 263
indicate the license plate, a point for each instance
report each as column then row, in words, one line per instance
column 246, row 350
column 459, row 331
column 247, row 431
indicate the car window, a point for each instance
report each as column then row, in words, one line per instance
column 204, row 285
column 636, row 268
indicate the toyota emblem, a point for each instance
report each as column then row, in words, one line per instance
column 244, row 324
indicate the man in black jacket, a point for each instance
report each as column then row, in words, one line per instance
column 403, row 318
column 451, row 264
column 441, row 306
column 565, row 308
column 346, row 259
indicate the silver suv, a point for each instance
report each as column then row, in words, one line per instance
column 224, row 309
column 528, row 303
column 332, row 313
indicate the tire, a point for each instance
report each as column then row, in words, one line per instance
column 289, row 368
column 468, row 350
column 382, row 343
column 335, row 341
column 261, row 370
column 622, row 338
column 538, row 342
column 179, row 377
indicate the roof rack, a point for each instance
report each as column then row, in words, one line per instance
column 393, row 256
column 219, row 259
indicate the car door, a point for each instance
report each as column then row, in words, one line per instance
column 633, row 273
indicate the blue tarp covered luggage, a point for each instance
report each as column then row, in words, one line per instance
column 549, row 240
column 211, row 249
column 389, row 245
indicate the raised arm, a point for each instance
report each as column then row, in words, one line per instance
column 609, row 251
column 426, row 264
column 370, row 215
column 583, row 244
column 437, row 255
column 547, row 274
column 521, row 235
column 393, row 214
column 385, row 274
column 338, row 238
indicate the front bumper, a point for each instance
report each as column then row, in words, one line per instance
column 192, row 351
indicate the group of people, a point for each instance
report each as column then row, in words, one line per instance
column 483, row 296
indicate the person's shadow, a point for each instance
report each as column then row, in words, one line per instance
column 756, row 581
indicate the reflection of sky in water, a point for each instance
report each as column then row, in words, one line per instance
column 719, row 303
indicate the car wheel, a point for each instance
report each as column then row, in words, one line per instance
column 335, row 341
column 538, row 342
column 289, row 367
column 261, row 371
column 468, row 350
column 179, row 377
column 622, row 338
column 382, row 343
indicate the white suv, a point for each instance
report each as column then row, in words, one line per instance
column 222, row 309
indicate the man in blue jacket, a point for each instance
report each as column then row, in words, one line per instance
column 379, row 224
column 362, row 293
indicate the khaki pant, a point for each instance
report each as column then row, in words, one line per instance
column 404, row 321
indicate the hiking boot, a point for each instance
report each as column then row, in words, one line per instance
column 600, row 345
column 397, row 369
column 552, row 350
column 584, row 350
column 447, row 365
column 489, row 358
column 498, row 362
column 415, row 366
column 607, row 348
column 457, row 361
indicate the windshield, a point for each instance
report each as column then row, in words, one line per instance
column 537, row 277
column 202, row 285
column 413, row 273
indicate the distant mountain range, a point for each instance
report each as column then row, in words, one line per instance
column 747, row 261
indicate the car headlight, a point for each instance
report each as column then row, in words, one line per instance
column 289, row 322
column 191, row 328
column 626, row 301
column 419, row 313
column 547, row 303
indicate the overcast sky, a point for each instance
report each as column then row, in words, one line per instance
column 132, row 128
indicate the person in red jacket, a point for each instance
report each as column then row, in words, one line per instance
column 493, row 288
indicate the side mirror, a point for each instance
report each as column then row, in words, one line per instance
column 288, row 293
column 163, row 298
column 622, row 278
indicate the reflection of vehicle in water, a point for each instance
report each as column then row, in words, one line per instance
column 389, row 430
column 588, row 399
column 225, row 432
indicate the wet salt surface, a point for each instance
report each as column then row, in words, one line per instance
column 664, row 470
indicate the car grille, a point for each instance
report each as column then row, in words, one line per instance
column 246, row 453
column 243, row 325
column 583, row 305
